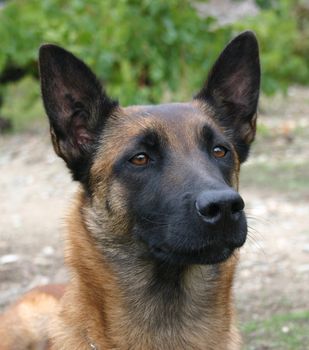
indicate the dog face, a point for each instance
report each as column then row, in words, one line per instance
column 162, row 179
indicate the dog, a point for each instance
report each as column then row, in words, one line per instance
column 155, row 231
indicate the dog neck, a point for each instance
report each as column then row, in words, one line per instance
column 125, row 302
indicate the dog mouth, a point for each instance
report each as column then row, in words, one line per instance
column 209, row 255
column 197, row 245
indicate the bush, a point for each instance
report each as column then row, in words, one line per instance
column 143, row 49
column 282, row 28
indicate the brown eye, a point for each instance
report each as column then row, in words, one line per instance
column 140, row 159
column 219, row 151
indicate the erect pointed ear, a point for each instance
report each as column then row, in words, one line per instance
column 76, row 105
column 232, row 90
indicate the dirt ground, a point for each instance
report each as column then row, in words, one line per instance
column 273, row 275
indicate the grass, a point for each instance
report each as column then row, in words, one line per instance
column 280, row 332
column 263, row 130
column 287, row 176
column 22, row 104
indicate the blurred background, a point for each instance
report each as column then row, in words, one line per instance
column 157, row 51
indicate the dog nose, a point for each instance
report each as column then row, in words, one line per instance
column 216, row 205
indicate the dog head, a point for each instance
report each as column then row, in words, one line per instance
column 162, row 178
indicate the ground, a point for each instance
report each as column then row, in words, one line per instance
column 272, row 282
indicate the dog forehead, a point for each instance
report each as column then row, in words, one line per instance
column 167, row 114
column 173, row 120
column 176, row 123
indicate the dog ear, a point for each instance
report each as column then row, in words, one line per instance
column 76, row 105
column 232, row 89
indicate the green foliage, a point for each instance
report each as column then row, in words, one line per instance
column 143, row 49
column 265, row 3
column 282, row 28
column 146, row 50
column 23, row 103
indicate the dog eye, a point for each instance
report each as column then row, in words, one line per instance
column 219, row 151
column 140, row 159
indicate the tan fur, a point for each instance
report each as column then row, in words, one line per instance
column 105, row 304
column 94, row 308
column 105, row 315
column 151, row 236
column 24, row 326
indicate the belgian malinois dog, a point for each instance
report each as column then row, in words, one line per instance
column 154, row 234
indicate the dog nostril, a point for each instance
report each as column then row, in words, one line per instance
column 211, row 210
column 237, row 205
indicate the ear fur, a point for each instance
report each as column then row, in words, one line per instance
column 232, row 90
column 76, row 105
